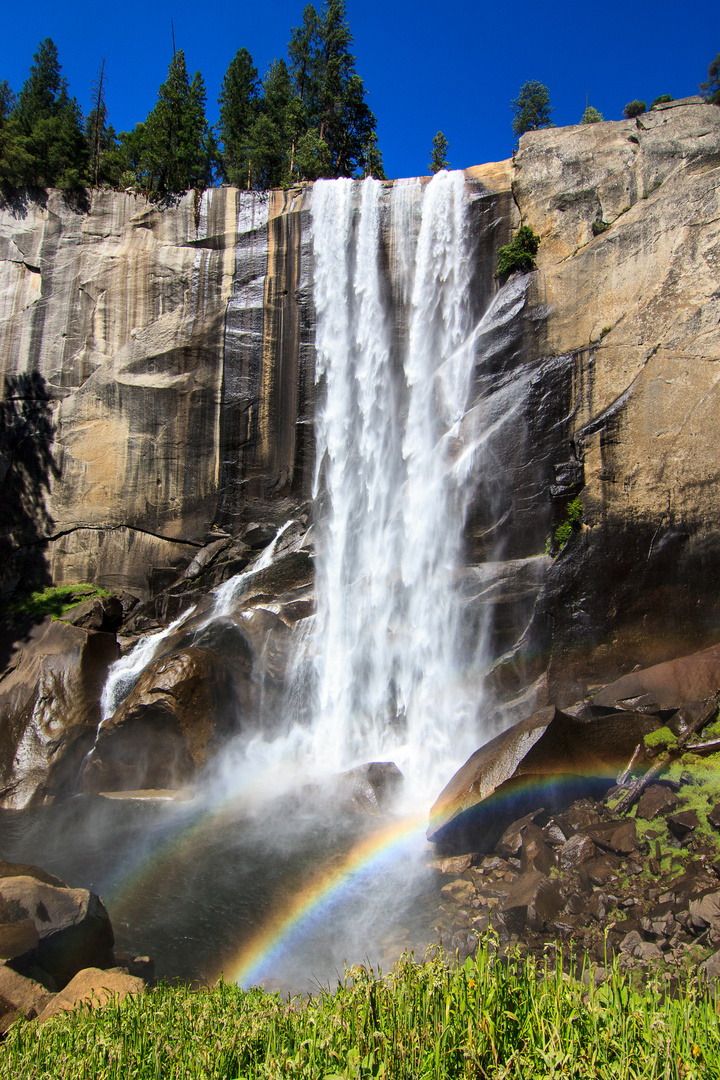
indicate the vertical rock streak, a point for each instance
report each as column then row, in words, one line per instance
column 396, row 380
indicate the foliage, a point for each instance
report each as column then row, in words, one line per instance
column 662, row 100
column 433, row 1020
column 710, row 89
column 519, row 254
column 571, row 523
column 633, row 109
column 439, row 160
column 591, row 116
column 56, row 600
column 599, row 226
column 239, row 103
column 42, row 143
column 174, row 149
column 531, row 108
column 663, row 738
column 330, row 94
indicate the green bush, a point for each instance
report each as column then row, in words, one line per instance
column 591, row 116
column 633, row 109
column 519, row 254
column 662, row 739
column 572, row 522
column 599, row 226
column 662, row 100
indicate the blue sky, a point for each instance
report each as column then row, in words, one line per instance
column 450, row 65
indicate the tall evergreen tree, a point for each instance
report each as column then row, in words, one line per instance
column 239, row 107
column 270, row 137
column 42, row 142
column 7, row 100
column 439, row 160
column 330, row 89
column 531, row 108
column 174, row 149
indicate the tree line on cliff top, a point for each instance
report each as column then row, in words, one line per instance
column 306, row 118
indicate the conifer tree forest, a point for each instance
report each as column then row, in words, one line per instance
column 305, row 118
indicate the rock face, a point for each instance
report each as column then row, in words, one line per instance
column 162, row 359
column 50, row 709
column 167, row 348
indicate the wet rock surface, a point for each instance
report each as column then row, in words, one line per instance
column 56, row 948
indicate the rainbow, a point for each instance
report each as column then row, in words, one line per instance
column 318, row 894
column 314, row 898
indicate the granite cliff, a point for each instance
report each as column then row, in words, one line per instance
column 165, row 356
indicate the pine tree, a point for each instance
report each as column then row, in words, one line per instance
column 373, row 162
column 97, row 121
column 239, row 107
column 339, row 122
column 7, row 101
column 591, row 116
column 710, row 89
column 531, row 108
column 178, row 150
column 42, row 142
column 269, row 157
column 439, row 160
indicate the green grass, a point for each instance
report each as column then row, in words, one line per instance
column 426, row 1021
column 55, row 600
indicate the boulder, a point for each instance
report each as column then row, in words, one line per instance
column 25, row 995
column 50, row 710
column 372, row 787
column 601, row 871
column 532, row 901
column 705, row 910
column 576, row 851
column 456, row 865
column 710, row 968
column 510, row 843
column 93, row 988
column 98, row 613
column 665, row 686
column 10, row 869
column 618, row 836
column 535, row 854
column 656, row 800
column 72, row 927
column 161, row 735
column 550, row 758
column 17, row 938
column 683, row 823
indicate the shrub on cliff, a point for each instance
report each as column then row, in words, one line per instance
column 519, row 254
column 633, row 109
column 591, row 116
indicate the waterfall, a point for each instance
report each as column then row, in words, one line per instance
column 394, row 365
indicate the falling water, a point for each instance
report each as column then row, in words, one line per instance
column 386, row 670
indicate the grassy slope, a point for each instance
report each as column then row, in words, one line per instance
column 422, row 1021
